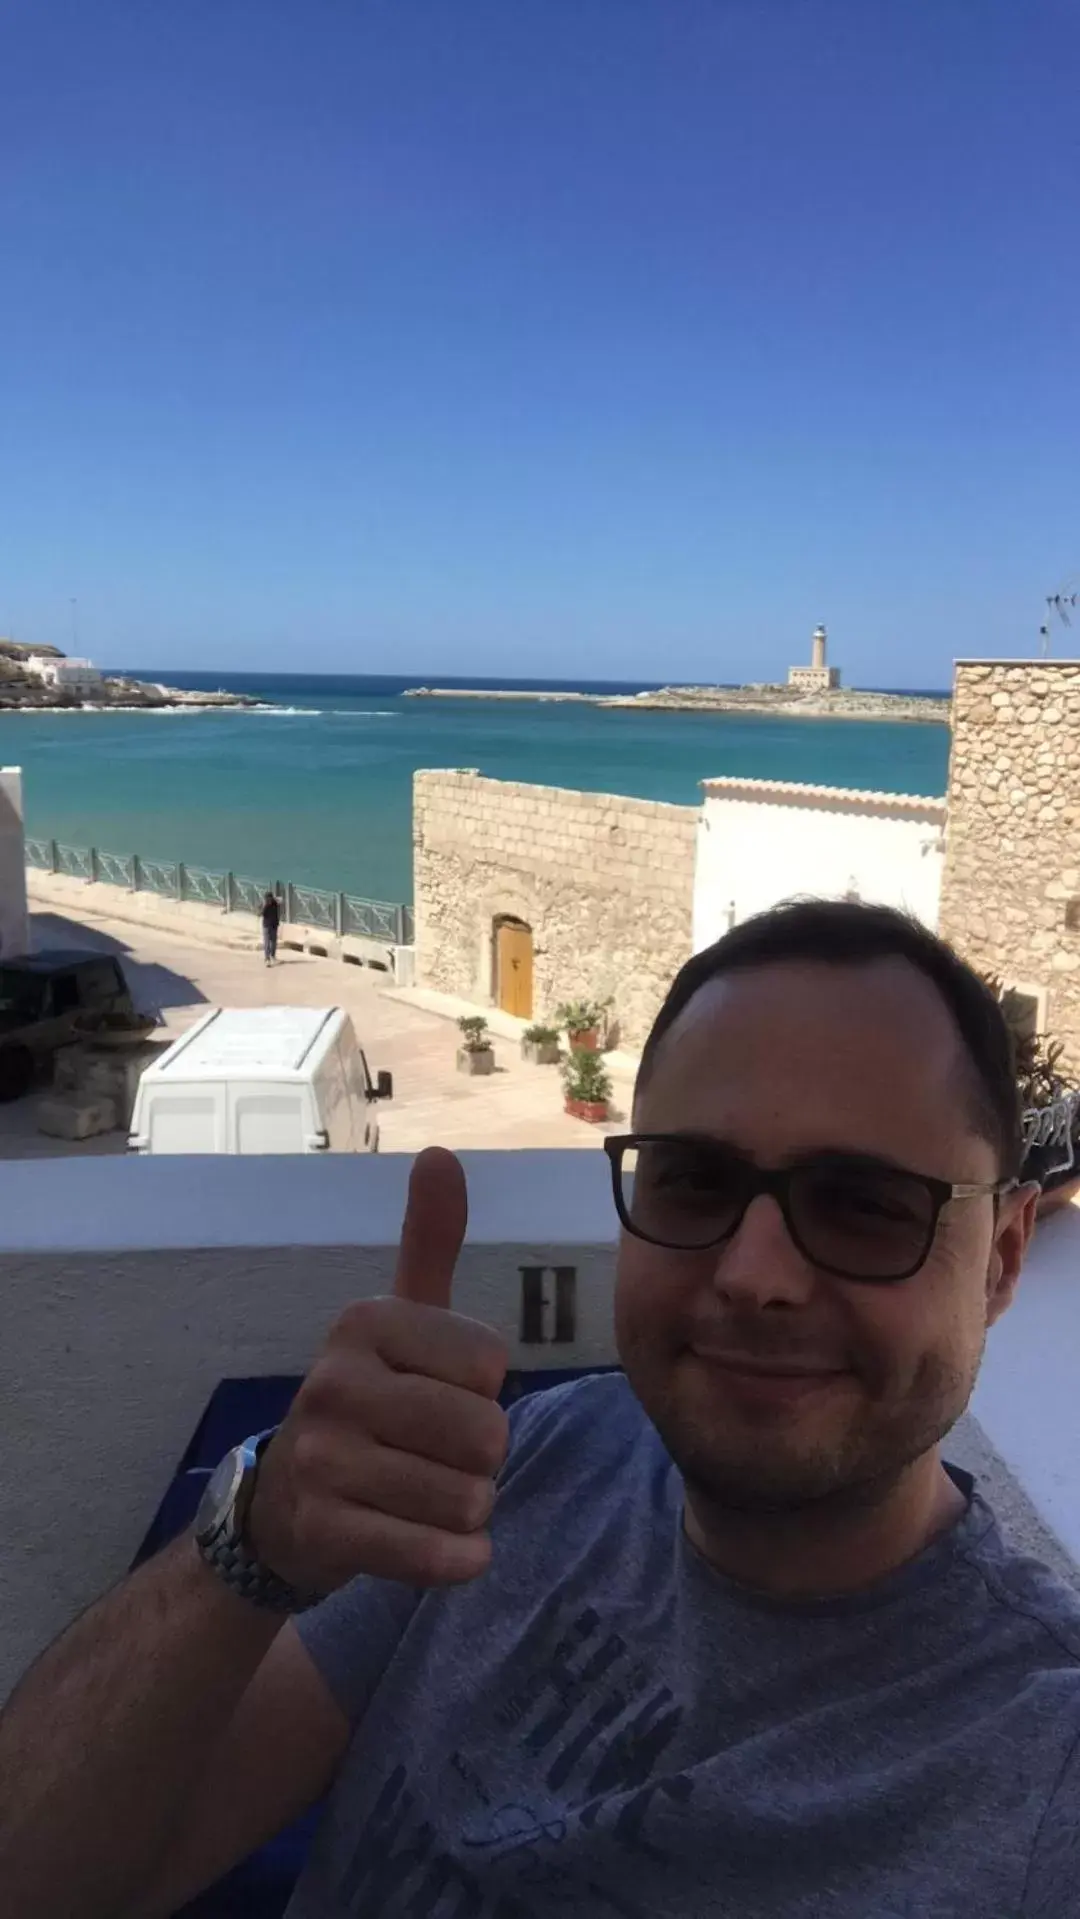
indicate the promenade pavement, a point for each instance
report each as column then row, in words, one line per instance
column 518, row 1106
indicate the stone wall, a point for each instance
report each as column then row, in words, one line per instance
column 1010, row 897
column 605, row 883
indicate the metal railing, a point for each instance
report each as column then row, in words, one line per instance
column 339, row 914
column 311, row 906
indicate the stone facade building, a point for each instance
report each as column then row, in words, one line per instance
column 1010, row 897
column 526, row 896
column 529, row 895
column 74, row 676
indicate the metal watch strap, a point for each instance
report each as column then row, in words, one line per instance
column 253, row 1581
column 230, row 1559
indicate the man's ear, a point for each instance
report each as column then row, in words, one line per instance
column 1013, row 1228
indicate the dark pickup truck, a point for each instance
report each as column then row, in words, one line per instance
column 49, row 999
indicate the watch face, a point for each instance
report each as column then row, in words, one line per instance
column 220, row 1492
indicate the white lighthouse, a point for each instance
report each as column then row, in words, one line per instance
column 818, row 677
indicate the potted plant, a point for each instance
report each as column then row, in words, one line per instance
column 540, row 1045
column 476, row 1053
column 1041, row 1087
column 588, row 1086
column 583, row 1020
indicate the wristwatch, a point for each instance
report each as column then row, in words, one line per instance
column 219, row 1531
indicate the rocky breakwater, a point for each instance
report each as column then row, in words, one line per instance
column 25, row 689
column 842, row 703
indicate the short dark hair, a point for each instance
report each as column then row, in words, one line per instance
column 851, row 933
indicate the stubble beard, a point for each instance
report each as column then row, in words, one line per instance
column 748, row 1469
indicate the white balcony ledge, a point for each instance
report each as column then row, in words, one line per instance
column 105, row 1204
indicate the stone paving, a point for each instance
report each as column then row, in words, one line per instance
column 519, row 1105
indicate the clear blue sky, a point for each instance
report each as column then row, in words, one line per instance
column 595, row 337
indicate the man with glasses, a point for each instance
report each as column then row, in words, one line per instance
column 721, row 1637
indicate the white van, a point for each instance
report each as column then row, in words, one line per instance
column 261, row 1079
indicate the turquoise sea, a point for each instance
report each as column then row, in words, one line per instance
column 317, row 787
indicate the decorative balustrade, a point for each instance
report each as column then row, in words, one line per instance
column 340, row 914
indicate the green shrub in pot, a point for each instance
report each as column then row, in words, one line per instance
column 584, row 1020
column 540, row 1045
column 475, row 1054
column 587, row 1085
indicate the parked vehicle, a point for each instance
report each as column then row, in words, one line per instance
column 49, row 999
column 261, row 1079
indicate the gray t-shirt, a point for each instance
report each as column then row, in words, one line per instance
column 605, row 1725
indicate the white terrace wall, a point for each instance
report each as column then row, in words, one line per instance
column 760, row 841
column 132, row 1286
column 604, row 882
column 14, row 926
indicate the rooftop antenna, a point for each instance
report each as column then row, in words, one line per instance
column 1060, row 606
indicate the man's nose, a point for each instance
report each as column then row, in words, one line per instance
column 761, row 1263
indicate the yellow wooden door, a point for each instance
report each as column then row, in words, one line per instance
column 514, row 969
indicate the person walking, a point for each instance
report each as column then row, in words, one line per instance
column 271, row 920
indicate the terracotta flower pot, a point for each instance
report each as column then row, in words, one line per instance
column 593, row 1110
column 587, row 1042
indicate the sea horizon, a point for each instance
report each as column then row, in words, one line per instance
column 316, row 784
column 209, row 679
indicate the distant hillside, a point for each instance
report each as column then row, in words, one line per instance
column 18, row 688
column 21, row 650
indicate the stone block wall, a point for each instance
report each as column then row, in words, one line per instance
column 606, row 884
column 1010, row 897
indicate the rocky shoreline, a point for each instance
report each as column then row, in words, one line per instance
column 27, row 692
column 842, row 703
column 123, row 696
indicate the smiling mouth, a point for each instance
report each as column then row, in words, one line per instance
column 762, row 1376
column 769, row 1368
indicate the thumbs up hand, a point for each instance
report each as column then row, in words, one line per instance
column 387, row 1459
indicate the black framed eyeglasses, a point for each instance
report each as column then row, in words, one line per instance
column 851, row 1215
